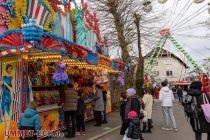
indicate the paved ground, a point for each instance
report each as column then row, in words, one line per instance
column 185, row 132
column 91, row 131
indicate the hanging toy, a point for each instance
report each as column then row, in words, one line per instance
column 147, row 7
column 198, row 1
column 60, row 76
column 120, row 80
column 162, row 1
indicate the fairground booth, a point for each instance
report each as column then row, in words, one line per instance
column 44, row 45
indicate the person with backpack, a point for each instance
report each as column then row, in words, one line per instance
column 30, row 120
column 133, row 131
column 197, row 118
column 134, row 103
column 166, row 97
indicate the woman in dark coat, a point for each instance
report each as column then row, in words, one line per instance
column 196, row 91
column 123, row 101
column 133, row 104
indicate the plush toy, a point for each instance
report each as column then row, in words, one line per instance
column 60, row 76
column 120, row 80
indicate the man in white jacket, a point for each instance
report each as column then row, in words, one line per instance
column 166, row 97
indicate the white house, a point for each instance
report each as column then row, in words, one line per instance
column 168, row 66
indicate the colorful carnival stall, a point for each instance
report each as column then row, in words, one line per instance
column 41, row 40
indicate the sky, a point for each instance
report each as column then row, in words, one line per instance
column 183, row 18
column 186, row 16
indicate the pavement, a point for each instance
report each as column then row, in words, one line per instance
column 92, row 132
column 111, row 130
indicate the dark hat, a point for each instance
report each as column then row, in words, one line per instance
column 196, row 85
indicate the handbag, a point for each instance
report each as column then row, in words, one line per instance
column 206, row 108
column 125, row 137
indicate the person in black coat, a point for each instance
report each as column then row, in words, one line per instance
column 134, row 129
column 123, row 101
column 180, row 94
column 80, row 115
column 201, row 125
column 133, row 104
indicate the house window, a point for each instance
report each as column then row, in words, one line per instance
column 169, row 73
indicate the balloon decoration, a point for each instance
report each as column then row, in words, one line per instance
column 147, row 7
column 198, row 1
column 121, row 80
column 162, row 1
column 10, row 6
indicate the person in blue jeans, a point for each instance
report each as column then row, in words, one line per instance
column 30, row 120
column 167, row 97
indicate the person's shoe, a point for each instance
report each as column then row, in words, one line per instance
column 83, row 133
column 144, row 130
column 175, row 130
column 97, row 125
column 78, row 133
column 104, row 122
column 67, row 136
column 164, row 128
column 149, row 131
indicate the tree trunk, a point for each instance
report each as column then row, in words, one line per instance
column 115, row 90
column 140, row 67
column 122, row 39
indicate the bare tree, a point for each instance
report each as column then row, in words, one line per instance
column 117, row 21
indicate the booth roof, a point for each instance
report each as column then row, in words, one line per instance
column 61, row 46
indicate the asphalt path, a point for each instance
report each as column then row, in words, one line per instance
column 184, row 129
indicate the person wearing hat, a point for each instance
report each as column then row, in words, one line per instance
column 199, row 125
column 134, row 103
column 166, row 97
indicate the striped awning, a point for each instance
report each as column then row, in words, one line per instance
column 37, row 10
column 10, row 51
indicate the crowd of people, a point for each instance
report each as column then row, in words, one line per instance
column 74, row 108
column 135, row 112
